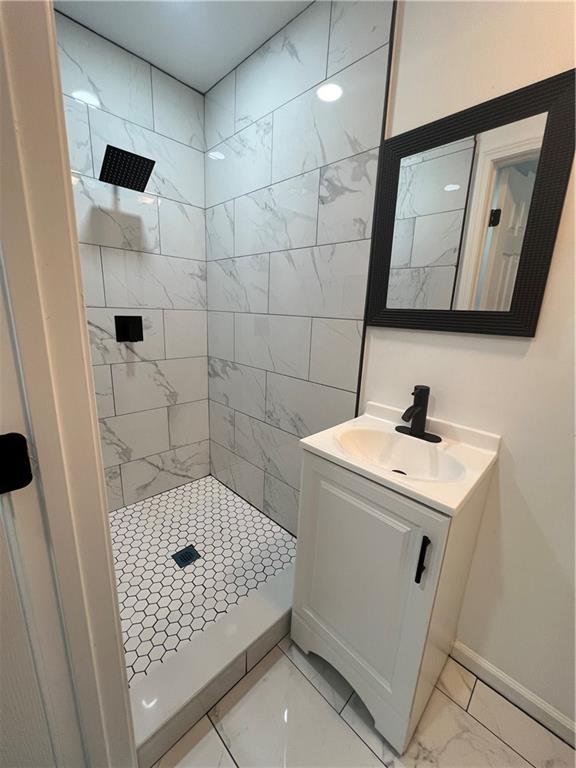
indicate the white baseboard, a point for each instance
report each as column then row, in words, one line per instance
column 512, row 690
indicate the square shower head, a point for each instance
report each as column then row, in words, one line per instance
column 126, row 169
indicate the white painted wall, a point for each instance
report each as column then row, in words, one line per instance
column 518, row 611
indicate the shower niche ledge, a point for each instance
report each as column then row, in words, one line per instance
column 383, row 555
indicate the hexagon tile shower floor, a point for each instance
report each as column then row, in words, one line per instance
column 161, row 604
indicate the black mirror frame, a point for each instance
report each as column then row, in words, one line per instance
column 555, row 96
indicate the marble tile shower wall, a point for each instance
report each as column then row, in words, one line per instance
column 142, row 254
column 289, row 195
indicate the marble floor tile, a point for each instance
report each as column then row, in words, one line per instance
column 92, row 279
column 275, row 717
column 178, row 110
column 447, row 737
column 201, row 747
column 240, row 164
column 134, row 279
column 356, row 29
column 102, row 74
column 178, row 172
column 281, row 503
column 273, row 342
column 219, row 110
column 534, row 742
column 327, row 281
column 456, row 682
column 347, row 198
column 182, row 231
column 239, row 285
column 327, row 680
column 278, row 217
column 78, row 134
column 220, row 231
column 310, row 133
column 290, row 62
column 115, row 217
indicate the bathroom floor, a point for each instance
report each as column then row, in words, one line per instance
column 161, row 604
column 293, row 710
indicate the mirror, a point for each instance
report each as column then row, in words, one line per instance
column 463, row 232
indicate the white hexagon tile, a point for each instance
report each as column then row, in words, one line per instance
column 161, row 604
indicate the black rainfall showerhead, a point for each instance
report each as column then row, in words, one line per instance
column 126, row 169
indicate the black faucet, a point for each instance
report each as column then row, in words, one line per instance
column 416, row 415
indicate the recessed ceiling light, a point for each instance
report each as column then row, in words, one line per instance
column 451, row 187
column 216, row 155
column 88, row 98
column 329, row 92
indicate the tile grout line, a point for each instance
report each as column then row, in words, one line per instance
column 216, row 729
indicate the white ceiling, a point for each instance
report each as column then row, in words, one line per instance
column 197, row 42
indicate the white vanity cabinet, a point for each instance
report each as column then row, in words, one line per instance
column 378, row 585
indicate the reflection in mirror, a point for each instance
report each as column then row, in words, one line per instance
column 461, row 215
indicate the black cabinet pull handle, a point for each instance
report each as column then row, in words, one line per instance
column 421, row 567
column 15, row 468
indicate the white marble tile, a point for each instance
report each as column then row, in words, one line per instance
column 278, row 217
column 402, row 242
column 273, row 342
column 281, row 503
column 288, row 64
column 182, row 230
column 219, row 110
column 78, row 134
column 237, row 386
column 422, row 186
column 239, row 285
column 185, row 332
column 443, row 149
column 437, row 239
column 446, row 736
column 200, row 747
column 220, row 231
column 347, row 198
column 335, row 352
column 141, row 386
column 356, row 29
column 188, row 423
column 178, row 110
column 103, row 389
column 310, row 133
column 113, row 488
column 327, row 680
column 534, row 742
column 271, row 449
column 134, row 279
column 304, row 408
column 267, row 641
column 119, row 218
column 274, row 717
column 456, row 682
column 154, row 474
column 102, row 74
column 133, row 436
column 102, row 332
column 221, row 335
column 92, row 278
column 179, row 170
column 329, row 281
column 222, row 424
column 240, row 164
column 239, row 475
column 420, row 288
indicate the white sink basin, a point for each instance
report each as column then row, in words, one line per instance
column 442, row 475
column 401, row 454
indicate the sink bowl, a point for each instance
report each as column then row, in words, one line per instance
column 401, row 454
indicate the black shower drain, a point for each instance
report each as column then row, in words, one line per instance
column 186, row 556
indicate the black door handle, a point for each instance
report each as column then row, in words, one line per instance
column 15, row 467
column 421, row 567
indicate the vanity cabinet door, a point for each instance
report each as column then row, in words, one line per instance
column 357, row 587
